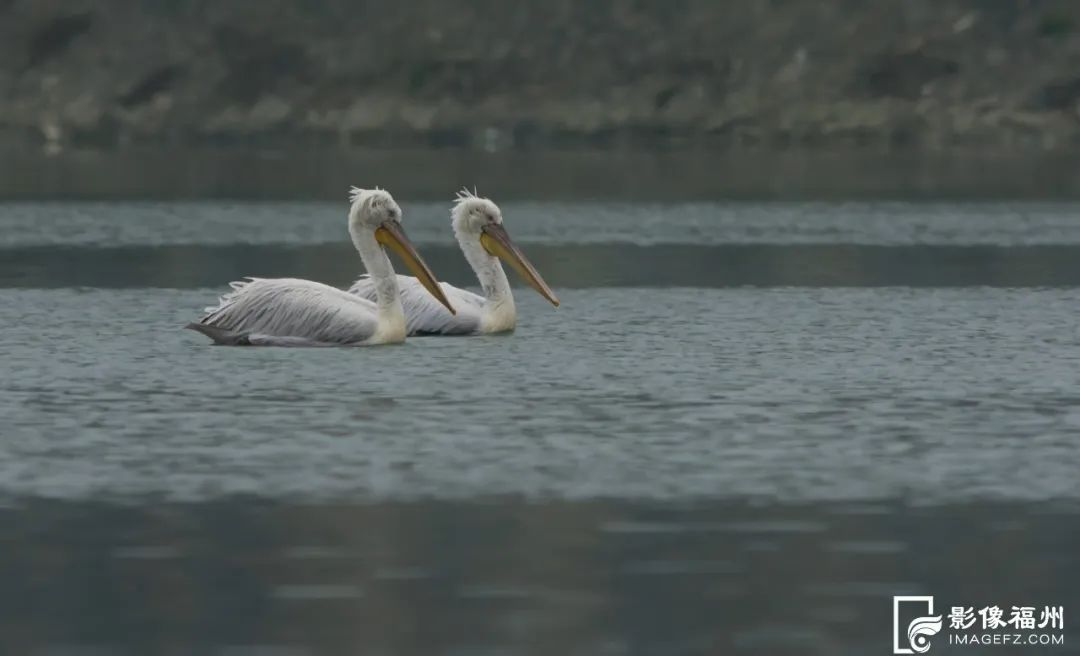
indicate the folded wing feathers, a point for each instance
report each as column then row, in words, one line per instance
column 295, row 308
column 227, row 299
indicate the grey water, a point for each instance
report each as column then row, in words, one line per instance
column 747, row 427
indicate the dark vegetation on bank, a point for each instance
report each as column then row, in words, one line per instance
column 898, row 76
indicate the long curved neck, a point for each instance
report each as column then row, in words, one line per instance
column 489, row 271
column 382, row 273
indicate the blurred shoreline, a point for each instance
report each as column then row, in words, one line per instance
column 325, row 174
column 565, row 99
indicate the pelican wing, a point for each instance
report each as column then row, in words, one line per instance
column 426, row 316
column 229, row 338
column 291, row 311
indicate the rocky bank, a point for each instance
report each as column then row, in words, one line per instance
column 890, row 75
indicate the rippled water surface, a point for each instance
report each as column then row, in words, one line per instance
column 147, row 223
column 746, row 428
column 675, row 393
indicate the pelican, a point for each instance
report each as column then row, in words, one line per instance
column 478, row 226
column 294, row 312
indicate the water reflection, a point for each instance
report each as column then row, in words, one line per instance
column 568, row 265
column 508, row 577
column 323, row 173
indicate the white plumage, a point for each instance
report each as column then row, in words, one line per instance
column 425, row 316
column 292, row 307
column 295, row 312
column 477, row 224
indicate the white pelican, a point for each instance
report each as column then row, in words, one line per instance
column 293, row 312
column 478, row 226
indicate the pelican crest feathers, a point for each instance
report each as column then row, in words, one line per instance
column 356, row 193
column 464, row 194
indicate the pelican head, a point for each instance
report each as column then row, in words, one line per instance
column 375, row 212
column 477, row 218
column 371, row 208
